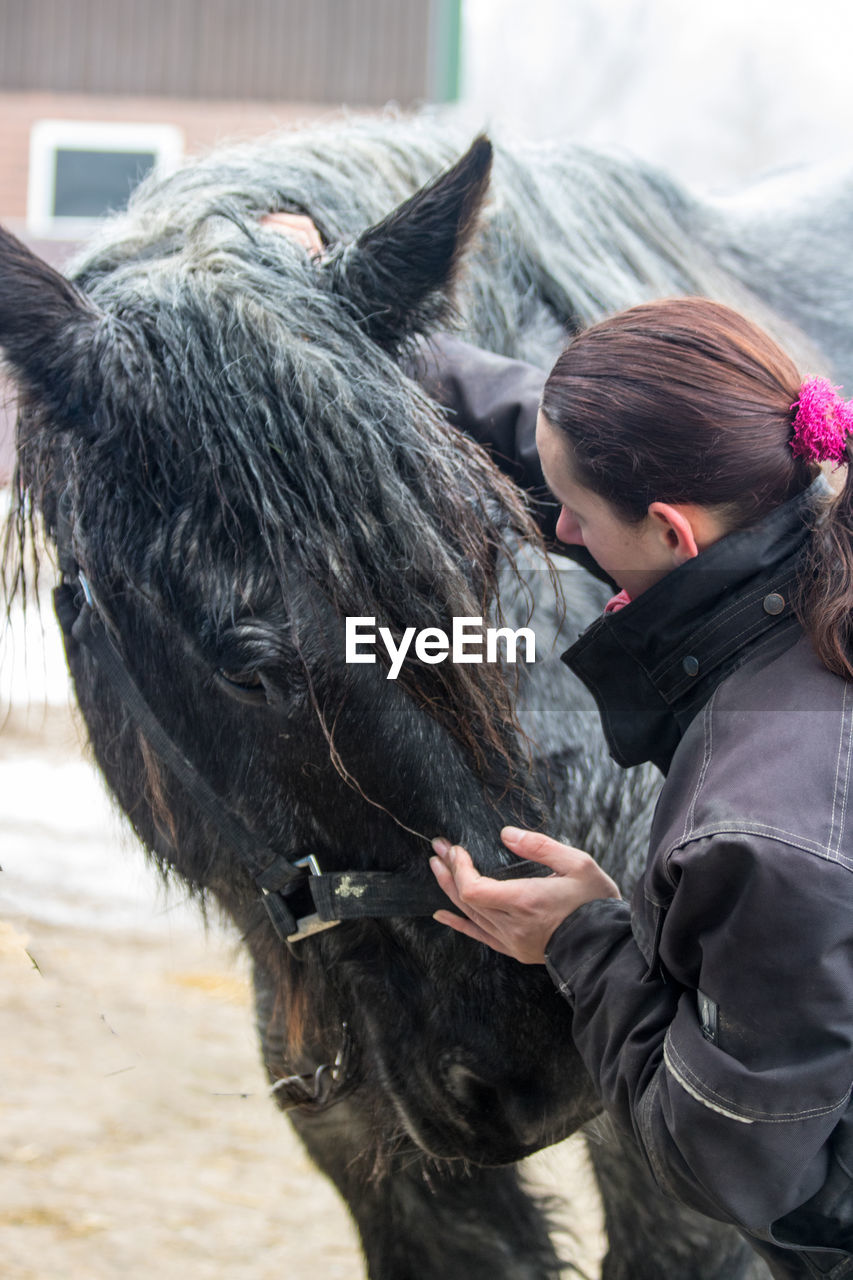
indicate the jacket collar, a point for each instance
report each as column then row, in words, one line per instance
column 653, row 664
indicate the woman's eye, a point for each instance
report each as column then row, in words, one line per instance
column 245, row 686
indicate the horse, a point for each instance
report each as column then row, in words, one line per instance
column 220, row 437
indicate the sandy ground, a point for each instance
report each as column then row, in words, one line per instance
column 136, row 1137
column 136, row 1134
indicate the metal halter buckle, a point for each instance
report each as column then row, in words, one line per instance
column 308, row 925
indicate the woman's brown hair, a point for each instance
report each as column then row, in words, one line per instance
column 686, row 401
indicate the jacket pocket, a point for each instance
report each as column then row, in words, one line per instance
column 729, row 1085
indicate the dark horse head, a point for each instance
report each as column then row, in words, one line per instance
column 221, row 432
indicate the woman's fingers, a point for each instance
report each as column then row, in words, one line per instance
column 462, row 924
column 445, row 880
column 474, row 891
column 536, row 847
column 448, row 885
column 563, row 859
column 298, row 226
column 494, row 895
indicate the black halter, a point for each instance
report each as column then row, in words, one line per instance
column 299, row 897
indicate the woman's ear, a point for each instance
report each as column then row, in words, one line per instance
column 678, row 529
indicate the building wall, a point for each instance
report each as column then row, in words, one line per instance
column 202, row 122
column 364, row 52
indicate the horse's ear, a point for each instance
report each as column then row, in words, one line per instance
column 398, row 274
column 46, row 332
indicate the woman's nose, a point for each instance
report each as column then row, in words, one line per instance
column 568, row 529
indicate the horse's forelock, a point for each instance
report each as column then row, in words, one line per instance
column 249, row 421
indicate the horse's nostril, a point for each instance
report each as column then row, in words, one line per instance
column 503, row 1107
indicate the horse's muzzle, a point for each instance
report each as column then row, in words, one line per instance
column 462, row 1114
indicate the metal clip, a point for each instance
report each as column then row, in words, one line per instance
column 314, row 1090
column 316, row 1085
column 310, row 862
column 87, row 590
column 308, row 925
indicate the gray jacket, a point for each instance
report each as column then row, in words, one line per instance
column 715, row 1012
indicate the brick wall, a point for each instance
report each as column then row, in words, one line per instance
column 202, row 122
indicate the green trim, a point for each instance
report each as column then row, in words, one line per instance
column 446, row 45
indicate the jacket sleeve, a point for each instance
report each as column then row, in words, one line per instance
column 732, row 1079
column 495, row 400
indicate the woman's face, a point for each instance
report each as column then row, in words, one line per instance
column 636, row 556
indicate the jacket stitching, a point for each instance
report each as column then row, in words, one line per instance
column 761, row 829
column 704, row 633
column 681, row 1079
column 720, row 620
column 714, row 655
column 742, row 606
column 840, row 793
column 845, row 733
column 740, row 1112
column 647, row 1115
column 711, row 661
column 708, row 733
column 696, row 641
column 841, row 825
column 699, row 637
column 565, row 986
column 837, row 773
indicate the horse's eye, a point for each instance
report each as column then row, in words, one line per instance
column 245, row 686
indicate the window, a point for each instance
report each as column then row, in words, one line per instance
column 80, row 171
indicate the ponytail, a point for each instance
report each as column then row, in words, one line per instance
column 822, row 433
column 825, row 603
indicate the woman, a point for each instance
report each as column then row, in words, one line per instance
column 715, row 1013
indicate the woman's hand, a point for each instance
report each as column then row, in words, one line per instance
column 299, row 227
column 517, row 917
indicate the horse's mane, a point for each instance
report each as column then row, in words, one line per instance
column 221, row 356
column 569, row 234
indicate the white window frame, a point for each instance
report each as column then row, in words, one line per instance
column 49, row 136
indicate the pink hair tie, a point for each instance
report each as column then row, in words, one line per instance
column 822, row 423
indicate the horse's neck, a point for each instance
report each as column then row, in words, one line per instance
column 787, row 238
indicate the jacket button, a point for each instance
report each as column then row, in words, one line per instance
column 774, row 603
column 690, row 665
